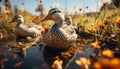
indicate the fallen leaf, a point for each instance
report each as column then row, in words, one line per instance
column 18, row 64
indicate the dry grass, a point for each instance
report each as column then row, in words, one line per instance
column 105, row 26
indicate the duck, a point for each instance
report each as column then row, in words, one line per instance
column 24, row 30
column 68, row 21
column 59, row 36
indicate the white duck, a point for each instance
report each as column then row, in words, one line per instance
column 59, row 36
column 24, row 30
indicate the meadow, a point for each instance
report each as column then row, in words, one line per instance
column 102, row 29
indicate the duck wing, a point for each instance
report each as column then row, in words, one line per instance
column 25, row 30
column 69, row 32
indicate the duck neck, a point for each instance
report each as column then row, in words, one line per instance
column 59, row 23
column 19, row 23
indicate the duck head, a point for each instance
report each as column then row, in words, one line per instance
column 18, row 18
column 68, row 20
column 54, row 14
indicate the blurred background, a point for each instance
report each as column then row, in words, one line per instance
column 97, row 18
column 69, row 6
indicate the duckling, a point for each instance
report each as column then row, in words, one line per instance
column 68, row 21
column 23, row 30
column 59, row 36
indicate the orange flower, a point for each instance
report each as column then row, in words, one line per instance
column 36, row 19
column 80, row 9
column 57, row 64
column 108, row 17
column 73, row 16
column 97, row 65
column 83, row 62
column 7, row 11
column 117, row 21
column 42, row 30
column 101, row 26
column 45, row 26
column 83, row 15
column 95, row 44
column 113, row 63
column 105, row 3
column 92, row 29
column 107, row 53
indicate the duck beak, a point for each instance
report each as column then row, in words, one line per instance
column 48, row 17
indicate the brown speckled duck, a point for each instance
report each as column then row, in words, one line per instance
column 59, row 36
